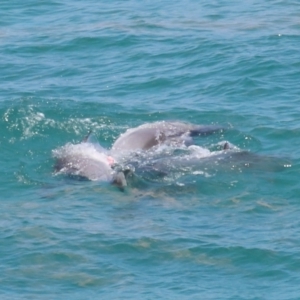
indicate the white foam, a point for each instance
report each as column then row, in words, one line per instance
column 85, row 150
column 199, row 152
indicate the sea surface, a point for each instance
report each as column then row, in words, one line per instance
column 207, row 232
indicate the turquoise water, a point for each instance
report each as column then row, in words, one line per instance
column 71, row 66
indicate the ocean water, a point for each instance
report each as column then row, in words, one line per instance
column 202, row 232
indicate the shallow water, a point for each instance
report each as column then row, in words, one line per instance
column 68, row 67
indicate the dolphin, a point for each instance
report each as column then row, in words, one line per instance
column 149, row 135
column 87, row 160
column 137, row 152
column 91, row 161
column 171, row 163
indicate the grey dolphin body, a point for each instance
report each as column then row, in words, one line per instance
column 149, row 135
column 87, row 160
column 91, row 161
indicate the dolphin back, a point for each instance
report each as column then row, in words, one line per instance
column 149, row 135
column 83, row 160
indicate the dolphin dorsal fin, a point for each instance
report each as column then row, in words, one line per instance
column 86, row 138
column 226, row 146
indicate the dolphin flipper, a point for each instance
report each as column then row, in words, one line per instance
column 119, row 180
